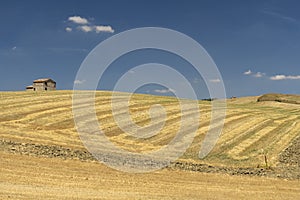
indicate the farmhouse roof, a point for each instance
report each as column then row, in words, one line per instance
column 43, row 80
column 29, row 87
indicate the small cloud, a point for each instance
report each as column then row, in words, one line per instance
column 85, row 28
column 78, row 82
column 278, row 77
column 215, row 80
column 248, row 72
column 107, row 29
column 259, row 75
column 131, row 71
column 293, row 77
column 284, row 77
column 256, row 75
column 163, row 91
column 97, row 29
column 68, row 29
column 78, row 20
column 14, row 48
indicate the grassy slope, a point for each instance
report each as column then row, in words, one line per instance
column 252, row 129
column 291, row 99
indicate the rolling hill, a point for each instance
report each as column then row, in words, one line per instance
column 260, row 137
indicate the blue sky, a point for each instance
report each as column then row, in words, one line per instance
column 255, row 44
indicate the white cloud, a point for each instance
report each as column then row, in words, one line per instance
column 259, row 75
column 108, row 29
column 274, row 78
column 68, row 29
column 131, row 71
column 284, row 77
column 14, row 48
column 215, row 80
column 85, row 28
column 163, row 91
column 248, row 72
column 97, row 29
column 78, row 82
column 278, row 77
column 293, row 77
column 256, row 75
column 78, row 20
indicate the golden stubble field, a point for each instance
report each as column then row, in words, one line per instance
column 28, row 177
column 252, row 129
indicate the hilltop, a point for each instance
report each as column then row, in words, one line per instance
column 251, row 129
column 283, row 98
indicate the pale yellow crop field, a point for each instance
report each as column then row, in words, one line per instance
column 28, row 177
column 252, row 129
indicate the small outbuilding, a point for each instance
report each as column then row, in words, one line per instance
column 44, row 84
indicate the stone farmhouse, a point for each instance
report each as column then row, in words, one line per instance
column 44, row 84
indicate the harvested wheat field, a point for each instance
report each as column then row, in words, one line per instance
column 42, row 156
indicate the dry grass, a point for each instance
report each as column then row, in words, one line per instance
column 292, row 99
column 44, row 178
column 251, row 128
